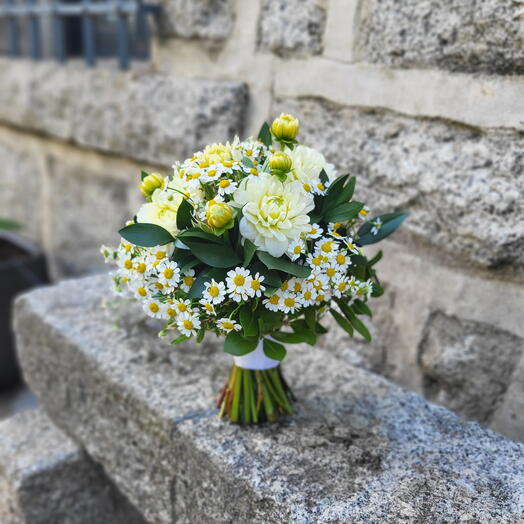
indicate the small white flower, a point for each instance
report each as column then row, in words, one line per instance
column 168, row 274
column 227, row 325
column 239, row 284
column 188, row 280
column 308, row 295
column 296, row 285
column 314, row 232
column 340, row 286
column 295, row 249
column 327, row 247
column 315, row 260
column 182, row 306
column 365, row 289
column 377, row 224
column 273, row 302
column 350, row 244
column 214, row 292
column 363, row 213
column 331, row 271
column 342, row 260
column 155, row 255
column 226, row 186
column 256, row 285
column 187, row 323
column 208, row 307
column 318, row 187
column 290, row 302
column 153, row 308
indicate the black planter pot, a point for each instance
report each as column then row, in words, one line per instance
column 22, row 266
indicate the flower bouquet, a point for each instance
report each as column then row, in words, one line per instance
column 257, row 241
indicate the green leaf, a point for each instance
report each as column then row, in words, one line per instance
column 237, row 345
column 361, row 308
column 146, row 235
column 355, row 322
column 200, row 335
column 376, row 258
column 9, row 225
column 143, row 175
column 274, row 350
column 205, row 276
column 179, row 339
column 347, row 193
column 298, row 337
column 390, row 222
column 184, row 215
column 249, row 251
column 342, row 322
column 343, row 212
column 323, row 177
column 264, row 135
column 377, row 291
column 190, row 264
column 270, row 320
column 310, row 316
column 196, row 233
column 320, row 329
column 283, row 265
column 248, row 162
column 248, row 321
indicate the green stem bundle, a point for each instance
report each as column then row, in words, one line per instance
column 251, row 396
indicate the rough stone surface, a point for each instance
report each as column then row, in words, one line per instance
column 292, row 28
column 150, row 116
column 20, row 184
column 485, row 35
column 467, row 365
column 205, row 19
column 359, row 448
column 86, row 209
column 46, row 478
column 464, row 188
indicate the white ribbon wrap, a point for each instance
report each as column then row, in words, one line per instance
column 256, row 359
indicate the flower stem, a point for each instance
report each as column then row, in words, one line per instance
column 253, row 396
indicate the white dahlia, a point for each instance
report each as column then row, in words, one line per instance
column 307, row 165
column 275, row 214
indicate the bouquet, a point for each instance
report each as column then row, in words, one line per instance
column 256, row 241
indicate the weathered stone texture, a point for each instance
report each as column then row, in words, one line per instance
column 20, row 183
column 359, row 448
column 292, row 28
column 86, row 209
column 474, row 36
column 205, row 19
column 464, row 188
column 467, row 365
column 151, row 116
column 46, row 478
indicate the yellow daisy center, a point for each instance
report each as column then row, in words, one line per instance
column 182, row 307
column 188, row 324
column 188, row 280
column 128, row 264
column 289, row 301
column 274, row 299
column 153, row 307
column 255, row 284
column 142, row 291
column 214, row 291
column 228, row 325
column 239, row 280
column 168, row 272
column 171, row 312
column 224, row 183
column 341, row 259
column 297, row 250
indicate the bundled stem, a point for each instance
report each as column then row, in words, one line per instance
column 252, row 396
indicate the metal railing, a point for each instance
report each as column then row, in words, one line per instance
column 88, row 11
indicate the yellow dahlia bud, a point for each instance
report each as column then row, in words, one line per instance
column 218, row 214
column 280, row 164
column 285, row 127
column 150, row 183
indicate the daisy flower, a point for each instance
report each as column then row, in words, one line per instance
column 295, row 249
column 308, row 295
column 188, row 280
column 331, row 271
column 315, row 261
column 226, row 186
column 214, row 292
column 168, row 274
column 239, row 284
column 363, row 213
column 153, row 308
column 273, row 302
column 256, row 285
column 340, row 286
column 296, row 285
column 227, row 325
column 208, row 307
column 182, row 306
column 350, row 244
column 341, row 261
column 187, row 323
column 290, row 303
column 315, row 232
column 327, row 247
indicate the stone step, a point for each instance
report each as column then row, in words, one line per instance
column 359, row 448
column 45, row 478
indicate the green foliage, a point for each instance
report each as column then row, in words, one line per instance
column 249, row 252
column 281, row 264
column 184, row 215
column 342, row 322
column 264, row 135
column 390, row 222
column 146, row 235
column 212, row 250
column 9, row 225
column 298, row 337
column 273, row 349
column 143, row 175
column 237, row 345
column 248, row 321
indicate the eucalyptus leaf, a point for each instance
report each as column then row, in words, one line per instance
column 390, row 222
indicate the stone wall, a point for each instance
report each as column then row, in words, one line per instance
column 422, row 101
